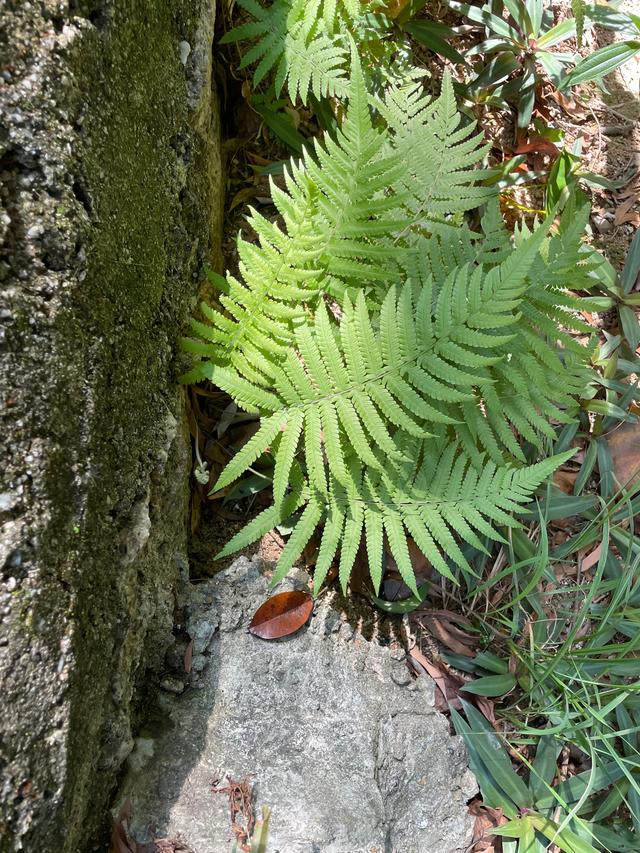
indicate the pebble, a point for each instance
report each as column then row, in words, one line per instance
column 7, row 501
column 184, row 49
column 172, row 685
column 198, row 663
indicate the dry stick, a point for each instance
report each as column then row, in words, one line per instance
column 618, row 129
column 615, row 129
column 595, row 118
column 606, row 108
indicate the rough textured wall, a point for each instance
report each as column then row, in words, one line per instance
column 110, row 204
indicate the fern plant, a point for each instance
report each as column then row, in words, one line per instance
column 302, row 42
column 352, row 208
column 305, row 45
column 396, row 357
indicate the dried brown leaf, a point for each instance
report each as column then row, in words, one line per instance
column 486, row 819
column 538, row 145
column 281, row 615
column 441, row 623
column 241, row 196
column 624, row 444
column 592, row 558
column 240, row 793
column 120, row 840
column 565, row 480
column 188, row 657
column 624, row 212
column 447, row 684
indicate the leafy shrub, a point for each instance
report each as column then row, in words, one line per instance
column 515, row 48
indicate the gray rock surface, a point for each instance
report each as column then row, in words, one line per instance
column 339, row 739
column 110, row 190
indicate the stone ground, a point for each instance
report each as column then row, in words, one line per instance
column 340, row 741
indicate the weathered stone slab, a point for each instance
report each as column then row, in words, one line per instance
column 110, row 190
column 341, row 742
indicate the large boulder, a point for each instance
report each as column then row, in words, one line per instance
column 328, row 725
column 111, row 189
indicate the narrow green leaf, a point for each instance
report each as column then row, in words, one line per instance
column 564, row 30
column 544, row 765
column 491, row 662
column 610, row 410
column 568, row 793
column 483, row 16
column 535, row 9
column 496, row 70
column 492, row 794
column 564, row 838
column 495, row 758
column 282, row 126
column 491, row 685
column 632, row 265
column 435, row 40
column 601, row 62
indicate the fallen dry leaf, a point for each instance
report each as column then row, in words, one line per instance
column 421, row 566
column 119, row 840
column 240, row 793
column 569, row 105
column 450, row 686
column 592, row 558
column 281, row 615
column 188, row 657
column 242, row 195
column 486, row 819
column 624, row 445
column 538, row 145
column 624, row 212
column 565, row 480
column 441, row 623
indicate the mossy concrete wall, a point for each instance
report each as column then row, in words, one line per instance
column 111, row 191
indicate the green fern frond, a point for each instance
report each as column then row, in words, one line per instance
column 396, row 358
column 349, row 211
column 303, row 41
column 316, row 67
column 452, row 354
column 440, row 152
column 340, row 202
column 579, row 9
column 436, row 507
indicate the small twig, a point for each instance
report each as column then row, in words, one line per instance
column 240, row 793
column 602, row 107
column 618, row 129
column 595, row 118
